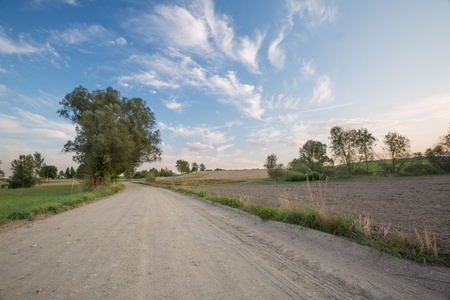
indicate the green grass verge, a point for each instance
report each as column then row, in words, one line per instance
column 27, row 203
column 401, row 246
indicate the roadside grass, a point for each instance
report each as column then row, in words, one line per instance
column 27, row 203
column 315, row 214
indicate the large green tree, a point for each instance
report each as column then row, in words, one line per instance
column 114, row 133
column 182, row 166
column 313, row 155
column 344, row 145
column 26, row 170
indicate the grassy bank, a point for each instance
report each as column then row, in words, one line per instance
column 27, row 203
column 315, row 214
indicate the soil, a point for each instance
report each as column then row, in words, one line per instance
column 152, row 243
column 401, row 202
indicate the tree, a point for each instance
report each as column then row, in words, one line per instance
column 48, row 172
column 271, row 162
column 73, row 173
column 182, row 166
column 67, row 174
column 202, row 167
column 61, row 174
column 313, row 155
column 439, row 155
column 113, row 133
column 2, row 173
column 26, row 170
column 344, row 145
column 365, row 143
column 194, row 167
column 275, row 171
column 297, row 165
column 397, row 146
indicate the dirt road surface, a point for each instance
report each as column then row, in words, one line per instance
column 151, row 243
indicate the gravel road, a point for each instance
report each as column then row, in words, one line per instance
column 151, row 243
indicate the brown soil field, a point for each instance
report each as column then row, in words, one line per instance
column 401, row 202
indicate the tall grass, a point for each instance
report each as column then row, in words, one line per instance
column 314, row 213
column 27, row 203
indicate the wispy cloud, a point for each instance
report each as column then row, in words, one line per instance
column 225, row 147
column 81, row 33
column 277, row 55
column 37, row 126
column 8, row 46
column 206, row 134
column 175, row 70
column 307, row 68
column 323, row 91
column 191, row 29
column 198, row 147
column 314, row 12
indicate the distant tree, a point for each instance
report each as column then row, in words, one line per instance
column 344, row 145
column 26, row 170
column 202, row 167
column 365, row 143
column 165, row 172
column 397, row 146
column 154, row 171
column 73, row 173
column 2, row 173
column 49, row 172
column 313, row 155
column 113, row 132
column 297, row 165
column 275, row 171
column 61, row 174
column 67, row 173
column 194, row 167
column 439, row 155
column 271, row 162
column 182, row 166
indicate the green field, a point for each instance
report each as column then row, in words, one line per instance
column 26, row 203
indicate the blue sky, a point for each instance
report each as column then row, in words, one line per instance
column 230, row 82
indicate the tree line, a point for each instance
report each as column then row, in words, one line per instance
column 184, row 168
column 352, row 146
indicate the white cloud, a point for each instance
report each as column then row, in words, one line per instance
column 208, row 135
column 198, row 147
column 314, row 12
column 265, row 136
column 307, row 68
column 173, row 105
column 8, row 46
column 191, row 28
column 283, row 101
column 225, row 147
column 147, row 78
column 323, row 91
column 276, row 54
column 176, row 69
column 117, row 42
column 78, row 34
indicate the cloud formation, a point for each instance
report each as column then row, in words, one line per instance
column 323, row 91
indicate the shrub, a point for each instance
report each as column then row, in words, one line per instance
column 295, row 176
column 419, row 169
column 150, row 177
column 277, row 173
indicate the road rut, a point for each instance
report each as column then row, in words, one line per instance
column 151, row 243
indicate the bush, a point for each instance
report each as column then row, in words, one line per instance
column 277, row 173
column 295, row 176
column 419, row 169
column 150, row 177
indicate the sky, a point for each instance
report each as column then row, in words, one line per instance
column 230, row 82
